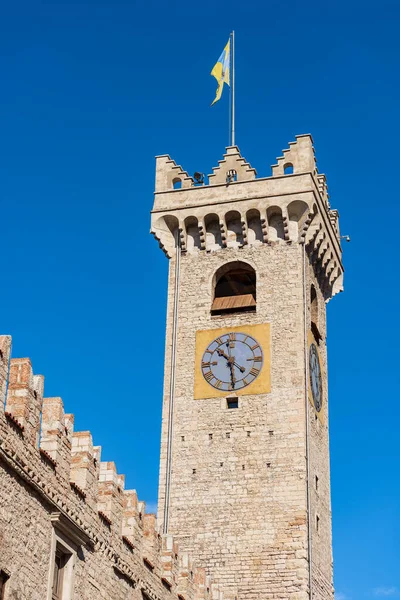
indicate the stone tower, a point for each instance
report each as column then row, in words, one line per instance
column 244, row 473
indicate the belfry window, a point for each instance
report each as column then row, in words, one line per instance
column 234, row 289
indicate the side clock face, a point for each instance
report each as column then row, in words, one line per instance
column 232, row 361
column 315, row 377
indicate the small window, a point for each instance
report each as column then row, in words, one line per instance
column 231, row 176
column 62, row 565
column 288, row 169
column 177, row 183
column 61, row 560
column 234, row 289
column 317, row 523
column 3, row 580
column 232, row 402
column 316, row 483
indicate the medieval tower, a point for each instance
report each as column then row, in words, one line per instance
column 244, row 472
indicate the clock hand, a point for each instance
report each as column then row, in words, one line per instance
column 233, row 378
column 230, row 360
column 241, row 369
column 222, row 353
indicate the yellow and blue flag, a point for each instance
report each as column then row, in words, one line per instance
column 221, row 70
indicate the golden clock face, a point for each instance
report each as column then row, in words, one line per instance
column 232, row 361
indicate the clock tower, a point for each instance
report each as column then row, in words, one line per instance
column 244, row 472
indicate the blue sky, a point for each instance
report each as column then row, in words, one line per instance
column 90, row 92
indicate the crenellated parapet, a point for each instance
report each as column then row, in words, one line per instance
column 170, row 175
column 236, row 209
column 233, row 166
column 83, row 497
column 299, row 157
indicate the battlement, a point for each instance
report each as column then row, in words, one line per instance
column 83, row 496
column 237, row 209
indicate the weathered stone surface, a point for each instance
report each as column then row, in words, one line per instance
column 242, row 497
column 249, row 512
column 61, row 487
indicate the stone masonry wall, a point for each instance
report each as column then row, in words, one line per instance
column 252, row 484
column 320, row 496
column 60, row 487
column 243, row 492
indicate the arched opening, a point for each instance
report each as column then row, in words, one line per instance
column 297, row 213
column 213, row 232
column 314, row 314
column 231, row 176
column 288, row 169
column 234, row 231
column 275, row 224
column 165, row 230
column 192, row 234
column 234, row 289
column 177, row 183
column 254, row 230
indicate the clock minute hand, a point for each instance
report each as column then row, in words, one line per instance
column 231, row 362
column 233, row 378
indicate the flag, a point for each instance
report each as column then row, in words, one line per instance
column 221, row 70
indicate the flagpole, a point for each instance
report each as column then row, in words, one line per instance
column 233, row 89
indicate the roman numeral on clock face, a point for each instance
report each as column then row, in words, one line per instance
column 224, row 363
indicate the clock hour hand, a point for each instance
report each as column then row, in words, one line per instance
column 230, row 360
column 222, row 353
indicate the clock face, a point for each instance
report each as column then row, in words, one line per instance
column 232, row 361
column 315, row 377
